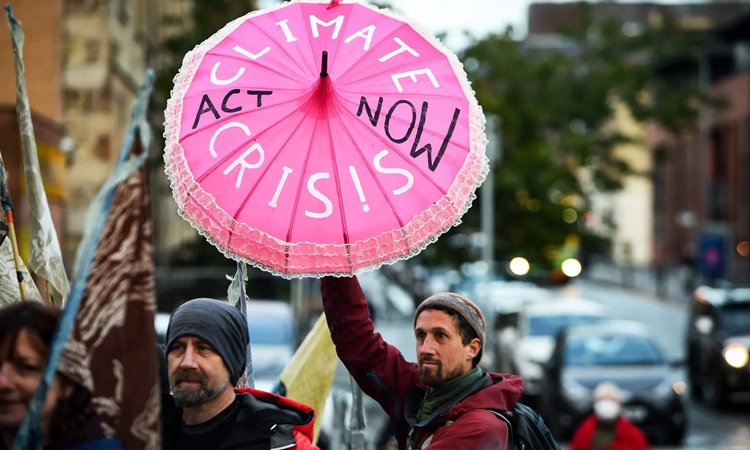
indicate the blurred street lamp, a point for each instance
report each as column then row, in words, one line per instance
column 519, row 266
column 571, row 267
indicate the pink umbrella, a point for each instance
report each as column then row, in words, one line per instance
column 322, row 138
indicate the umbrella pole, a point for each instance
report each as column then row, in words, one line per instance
column 357, row 418
column 16, row 255
column 249, row 372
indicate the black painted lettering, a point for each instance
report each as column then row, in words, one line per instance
column 387, row 123
column 260, row 95
column 226, row 99
column 415, row 152
column 363, row 104
column 209, row 107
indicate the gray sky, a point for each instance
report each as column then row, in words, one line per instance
column 481, row 17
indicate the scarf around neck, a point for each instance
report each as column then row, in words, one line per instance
column 439, row 396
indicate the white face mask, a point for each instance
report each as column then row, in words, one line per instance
column 607, row 409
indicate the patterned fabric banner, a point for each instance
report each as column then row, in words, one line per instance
column 108, row 320
column 45, row 257
column 9, row 290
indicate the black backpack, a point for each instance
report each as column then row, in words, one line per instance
column 527, row 429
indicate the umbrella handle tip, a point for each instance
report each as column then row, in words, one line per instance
column 324, row 65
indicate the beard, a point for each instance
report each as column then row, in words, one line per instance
column 433, row 375
column 188, row 397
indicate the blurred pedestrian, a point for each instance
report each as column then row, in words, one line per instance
column 444, row 401
column 606, row 428
column 206, row 356
column 68, row 420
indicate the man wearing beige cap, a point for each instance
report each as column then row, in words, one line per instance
column 443, row 401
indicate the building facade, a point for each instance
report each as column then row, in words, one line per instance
column 41, row 21
column 702, row 186
column 636, row 209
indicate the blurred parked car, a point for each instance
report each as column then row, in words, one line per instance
column 622, row 352
column 500, row 301
column 161, row 322
column 718, row 338
column 525, row 344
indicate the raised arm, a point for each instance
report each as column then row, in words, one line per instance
column 378, row 367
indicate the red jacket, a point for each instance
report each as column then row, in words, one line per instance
column 627, row 436
column 303, row 432
column 383, row 374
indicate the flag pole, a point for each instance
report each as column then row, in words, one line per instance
column 45, row 255
column 49, row 292
column 16, row 254
column 7, row 206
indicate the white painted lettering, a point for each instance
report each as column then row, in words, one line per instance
column 314, row 22
column 319, row 195
column 388, row 170
column 413, row 76
column 358, row 187
column 365, row 33
column 287, row 32
column 251, row 55
column 402, row 48
column 282, row 182
column 212, row 143
column 246, row 165
column 215, row 80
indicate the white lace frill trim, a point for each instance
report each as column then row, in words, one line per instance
column 239, row 242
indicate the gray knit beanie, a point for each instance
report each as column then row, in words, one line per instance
column 464, row 307
column 219, row 324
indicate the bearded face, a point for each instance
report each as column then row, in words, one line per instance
column 441, row 352
column 192, row 388
column 197, row 374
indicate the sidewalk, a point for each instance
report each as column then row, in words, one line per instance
column 672, row 288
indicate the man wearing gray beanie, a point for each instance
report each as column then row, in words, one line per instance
column 206, row 347
column 442, row 401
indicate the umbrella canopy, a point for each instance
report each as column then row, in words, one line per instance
column 320, row 139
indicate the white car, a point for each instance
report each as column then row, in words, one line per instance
column 526, row 347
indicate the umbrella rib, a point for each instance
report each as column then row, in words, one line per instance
column 268, row 167
column 243, row 113
column 402, row 121
column 236, row 149
column 256, row 63
column 336, row 177
column 390, row 70
column 410, row 161
column 299, row 186
column 377, row 180
column 377, row 44
column 225, row 89
column 262, row 174
column 302, row 69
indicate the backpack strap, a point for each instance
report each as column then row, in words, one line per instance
column 506, row 416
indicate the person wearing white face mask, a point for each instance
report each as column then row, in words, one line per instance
column 607, row 429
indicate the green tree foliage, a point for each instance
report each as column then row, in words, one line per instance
column 557, row 105
column 206, row 18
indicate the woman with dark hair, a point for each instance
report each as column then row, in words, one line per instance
column 68, row 422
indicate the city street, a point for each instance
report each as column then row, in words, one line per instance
column 709, row 429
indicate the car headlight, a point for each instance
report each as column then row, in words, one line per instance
column 736, row 355
column 664, row 391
